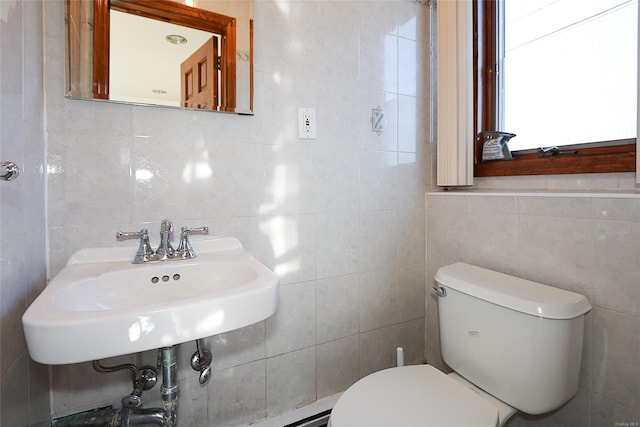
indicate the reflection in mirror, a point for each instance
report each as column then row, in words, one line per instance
column 162, row 52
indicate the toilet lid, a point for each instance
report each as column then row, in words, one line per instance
column 419, row 395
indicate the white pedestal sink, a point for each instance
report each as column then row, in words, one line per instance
column 101, row 305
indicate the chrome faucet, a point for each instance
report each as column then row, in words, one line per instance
column 165, row 251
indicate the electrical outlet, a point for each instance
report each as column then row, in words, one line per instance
column 307, row 123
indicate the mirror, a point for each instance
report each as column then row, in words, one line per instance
column 179, row 53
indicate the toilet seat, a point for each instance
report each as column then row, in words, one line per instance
column 411, row 396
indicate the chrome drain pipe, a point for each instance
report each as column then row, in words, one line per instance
column 141, row 416
column 169, row 388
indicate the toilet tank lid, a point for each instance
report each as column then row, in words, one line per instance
column 512, row 292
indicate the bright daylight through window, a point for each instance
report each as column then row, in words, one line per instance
column 568, row 71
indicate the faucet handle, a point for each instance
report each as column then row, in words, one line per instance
column 129, row 235
column 184, row 248
column 197, row 230
column 145, row 252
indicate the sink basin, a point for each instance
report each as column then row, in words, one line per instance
column 101, row 305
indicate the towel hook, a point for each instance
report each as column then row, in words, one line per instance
column 9, row 171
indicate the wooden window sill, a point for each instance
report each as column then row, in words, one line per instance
column 617, row 158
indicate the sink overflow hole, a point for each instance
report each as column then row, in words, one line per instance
column 165, row 278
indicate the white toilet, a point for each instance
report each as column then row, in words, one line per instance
column 513, row 344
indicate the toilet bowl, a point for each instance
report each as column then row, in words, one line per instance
column 417, row 395
column 513, row 345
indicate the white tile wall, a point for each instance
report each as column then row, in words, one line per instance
column 23, row 384
column 340, row 219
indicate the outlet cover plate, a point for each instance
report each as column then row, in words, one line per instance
column 307, row 123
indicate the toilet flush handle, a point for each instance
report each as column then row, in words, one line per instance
column 439, row 291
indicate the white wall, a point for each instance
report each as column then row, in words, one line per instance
column 340, row 219
column 23, row 384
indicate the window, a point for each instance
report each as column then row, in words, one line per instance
column 553, row 35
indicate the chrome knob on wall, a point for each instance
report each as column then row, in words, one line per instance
column 8, row 171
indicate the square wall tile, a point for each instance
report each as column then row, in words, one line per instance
column 11, row 46
column 78, row 192
column 338, row 365
column 616, row 266
column 411, row 236
column 605, row 412
column 378, row 240
column 337, row 180
column 335, row 299
column 14, row 395
column 293, row 326
column 238, row 347
column 337, row 244
column 378, row 299
column 544, row 243
column 13, row 302
column 291, row 380
column 615, row 354
column 237, row 395
column 412, row 288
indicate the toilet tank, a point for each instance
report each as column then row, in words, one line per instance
column 518, row 340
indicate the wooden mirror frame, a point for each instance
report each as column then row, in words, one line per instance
column 174, row 13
